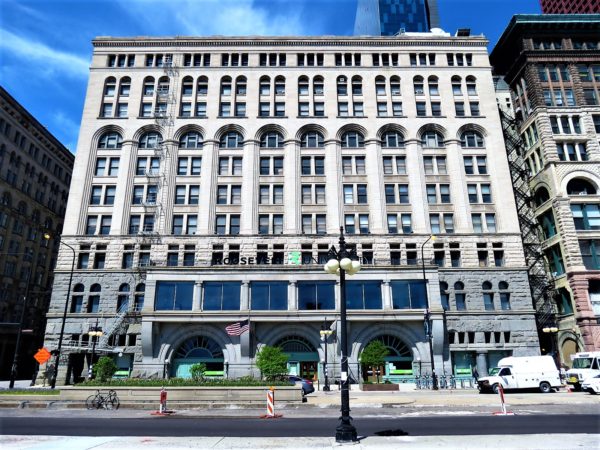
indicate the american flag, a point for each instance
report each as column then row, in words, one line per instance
column 238, row 328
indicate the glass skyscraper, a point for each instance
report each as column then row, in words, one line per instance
column 389, row 17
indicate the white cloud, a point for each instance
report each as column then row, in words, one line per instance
column 68, row 128
column 52, row 60
column 212, row 17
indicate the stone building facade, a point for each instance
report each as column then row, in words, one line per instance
column 35, row 172
column 552, row 64
column 214, row 174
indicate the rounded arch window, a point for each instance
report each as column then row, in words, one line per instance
column 78, row 288
column 110, row 85
column 187, row 86
column 232, row 139
column 265, row 85
column 95, row 288
column 111, row 139
column 503, row 285
column 124, row 287
column 226, row 86
column 191, row 139
column 459, row 286
column 140, row 287
column 432, row 139
column 318, row 85
column 342, row 85
column 432, row 82
column 418, row 84
column 295, row 344
column 200, row 347
column 471, row 139
column 353, row 139
column 541, row 196
column 148, row 87
column 471, row 85
column 124, row 86
column 279, row 85
column 271, row 139
column 202, row 85
column 303, row 85
column 241, row 85
column 380, row 85
column 151, row 139
column 395, row 85
column 392, row 139
column 312, row 139
column 486, row 286
column 356, row 85
column 580, row 186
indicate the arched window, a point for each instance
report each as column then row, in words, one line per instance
column 471, row 85
column 241, row 86
column 124, row 87
column 279, row 85
column 541, row 196
column 148, row 87
column 432, row 82
column 445, row 295
column 459, row 296
column 202, row 86
column 6, row 199
column 418, row 84
column 580, row 186
column 151, row 139
column 191, row 139
column 271, row 139
column 486, row 286
column 232, row 139
column 318, row 85
column 342, row 85
column 380, row 85
column 432, row 139
column 456, row 85
column 471, row 139
column 392, row 139
column 95, row 288
column 264, row 85
column 303, row 85
column 226, row 86
column 187, row 86
column 503, row 285
column 123, row 298
column 78, row 288
column 163, row 86
column 395, row 85
column 352, row 139
column 312, row 139
column 124, row 287
column 110, row 86
column 356, row 85
column 504, row 296
column 112, row 139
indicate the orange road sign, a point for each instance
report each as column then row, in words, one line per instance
column 42, row 355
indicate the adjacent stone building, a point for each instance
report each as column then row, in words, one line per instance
column 552, row 64
column 213, row 175
column 35, row 173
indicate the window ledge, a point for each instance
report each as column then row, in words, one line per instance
column 312, row 117
column 272, row 117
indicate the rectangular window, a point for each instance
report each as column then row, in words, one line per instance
column 363, row 294
column 409, row 294
column 397, row 109
column 316, row 295
column 460, row 109
column 221, row 296
column 269, row 295
column 174, row 295
column 421, row 109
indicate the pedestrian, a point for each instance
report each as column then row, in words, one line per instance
column 475, row 374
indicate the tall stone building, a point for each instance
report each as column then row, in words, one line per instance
column 35, row 172
column 214, row 174
column 390, row 17
column 552, row 65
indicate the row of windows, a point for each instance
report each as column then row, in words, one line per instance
column 312, row 139
column 281, row 59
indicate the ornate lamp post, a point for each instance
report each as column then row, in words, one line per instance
column 95, row 332
column 429, row 335
column 325, row 333
column 340, row 262
column 64, row 318
column 551, row 331
column 13, row 370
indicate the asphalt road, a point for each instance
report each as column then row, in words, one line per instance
column 299, row 427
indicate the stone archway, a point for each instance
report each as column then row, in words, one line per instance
column 198, row 349
column 398, row 362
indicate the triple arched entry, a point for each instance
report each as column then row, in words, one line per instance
column 198, row 349
column 303, row 358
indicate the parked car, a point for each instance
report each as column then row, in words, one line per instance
column 591, row 385
column 307, row 385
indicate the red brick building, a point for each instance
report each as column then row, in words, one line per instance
column 570, row 6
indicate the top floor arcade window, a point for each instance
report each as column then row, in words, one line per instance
column 111, row 139
column 192, row 139
column 579, row 186
column 150, row 140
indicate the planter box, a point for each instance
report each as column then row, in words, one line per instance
column 254, row 394
column 380, row 387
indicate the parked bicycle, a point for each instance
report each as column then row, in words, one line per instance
column 106, row 400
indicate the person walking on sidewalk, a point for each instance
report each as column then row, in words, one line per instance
column 475, row 374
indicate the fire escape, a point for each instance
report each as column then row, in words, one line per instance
column 540, row 282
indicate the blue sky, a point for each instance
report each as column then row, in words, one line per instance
column 45, row 45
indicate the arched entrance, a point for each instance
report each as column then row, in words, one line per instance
column 398, row 362
column 303, row 356
column 198, row 349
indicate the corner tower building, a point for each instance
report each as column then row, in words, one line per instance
column 213, row 175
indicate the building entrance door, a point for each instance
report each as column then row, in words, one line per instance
column 308, row 370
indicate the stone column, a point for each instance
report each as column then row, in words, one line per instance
column 291, row 217
column 208, row 183
column 387, row 296
column 245, row 296
column 482, row 366
column 248, row 216
column 292, row 296
column 197, row 299
column 416, row 188
column 375, row 188
column 333, row 188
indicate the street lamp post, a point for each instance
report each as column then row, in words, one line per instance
column 64, row 318
column 341, row 262
column 427, row 317
column 13, row 369
column 95, row 332
column 325, row 332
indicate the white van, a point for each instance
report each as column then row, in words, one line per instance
column 522, row 372
column 585, row 365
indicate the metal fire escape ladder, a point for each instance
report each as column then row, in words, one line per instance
column 541, row 285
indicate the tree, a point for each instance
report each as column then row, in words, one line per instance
column 104, row 368
column 272, row 362
column 197, row 371
column 374, row 355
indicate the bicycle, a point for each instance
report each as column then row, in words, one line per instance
column 108, row 400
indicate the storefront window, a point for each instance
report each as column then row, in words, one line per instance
column 316, row 295
column 221, row 296
column 174, row 296
column 409, row 294
column 269, row 295
column 363, row 295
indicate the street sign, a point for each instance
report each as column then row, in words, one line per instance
column 294, row 258
column 42, row 356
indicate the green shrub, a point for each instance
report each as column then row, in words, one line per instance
column 104, row 368
column 197, row 371
column 159, row 382
column 272, row 363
